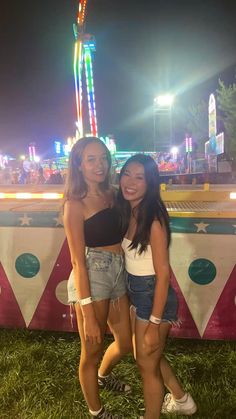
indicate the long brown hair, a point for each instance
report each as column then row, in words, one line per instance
column 75, row 185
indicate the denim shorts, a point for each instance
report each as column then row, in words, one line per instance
column 140, row 290
column 106, row 276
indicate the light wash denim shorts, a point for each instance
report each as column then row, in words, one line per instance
column 106, row 276
column 140, row 290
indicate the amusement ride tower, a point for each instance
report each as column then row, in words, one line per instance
column 83, row 59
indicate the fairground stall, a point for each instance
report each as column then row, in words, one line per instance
column 35, row 262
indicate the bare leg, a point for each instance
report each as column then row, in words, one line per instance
column 149, row 365
column 119, row 324
column 91, row 355
column 170, row 380
column 133, row 322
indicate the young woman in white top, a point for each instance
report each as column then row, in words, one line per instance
column 153, row 300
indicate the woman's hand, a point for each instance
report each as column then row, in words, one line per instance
column 152, row 338
column 92, row 331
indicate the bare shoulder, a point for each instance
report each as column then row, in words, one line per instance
column 74, row 228
column 74, row 207
column 158, row 232
column 156, row 226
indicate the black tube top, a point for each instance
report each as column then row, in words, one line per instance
column 103, row 228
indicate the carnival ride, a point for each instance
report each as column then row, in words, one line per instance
column 85, row 47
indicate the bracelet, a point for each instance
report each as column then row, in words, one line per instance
column 155, row 320
column 85, row 301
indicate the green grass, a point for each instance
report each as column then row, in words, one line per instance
column 38, row 377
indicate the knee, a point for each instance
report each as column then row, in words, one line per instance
column 91, row 358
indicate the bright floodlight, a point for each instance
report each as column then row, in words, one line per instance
column 174, row 150
column 165, row 101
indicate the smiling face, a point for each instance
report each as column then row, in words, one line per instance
column 94, row 165
column 133, row 184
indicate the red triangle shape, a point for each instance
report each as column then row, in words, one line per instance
column 10, row 313
column 50, row 313
column 222, row 323
column 187, row 328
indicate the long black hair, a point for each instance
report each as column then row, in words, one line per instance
column 75, row 186
column 149, row 209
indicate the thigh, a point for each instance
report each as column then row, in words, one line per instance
column 119, row 319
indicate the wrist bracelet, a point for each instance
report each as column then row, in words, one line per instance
column 155, row 320
column 85, row 301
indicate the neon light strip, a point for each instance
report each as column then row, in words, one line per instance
column 78, row 61
column 90, row 91
column 29, row 195
column 76, row 81
column 81, row 12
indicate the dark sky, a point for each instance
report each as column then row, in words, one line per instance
column 143, row 48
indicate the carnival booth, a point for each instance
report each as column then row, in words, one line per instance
column 35, row 263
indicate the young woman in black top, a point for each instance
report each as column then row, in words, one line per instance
column 96, row 286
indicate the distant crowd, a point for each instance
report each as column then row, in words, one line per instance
column 36, row 176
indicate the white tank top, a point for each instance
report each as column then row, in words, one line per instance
column 135, row 263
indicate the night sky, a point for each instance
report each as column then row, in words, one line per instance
column 143, row 48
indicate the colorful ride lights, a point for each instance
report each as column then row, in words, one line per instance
column 85, row 46
column 88, row 47
column 188, row 144
column 32, row 152
column 57, row 147
column 81, row 12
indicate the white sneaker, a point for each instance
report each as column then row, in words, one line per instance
column 170, row 405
